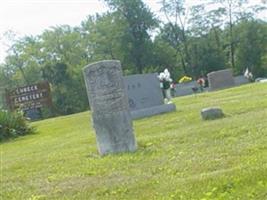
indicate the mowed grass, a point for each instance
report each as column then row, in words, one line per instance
column 179, row 156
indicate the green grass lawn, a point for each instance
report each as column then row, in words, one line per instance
column 179, row 156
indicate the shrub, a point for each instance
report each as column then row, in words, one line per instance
column 13, row 124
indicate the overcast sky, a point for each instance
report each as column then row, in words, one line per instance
column 32, row 17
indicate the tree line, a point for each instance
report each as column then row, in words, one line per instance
column 192, row 41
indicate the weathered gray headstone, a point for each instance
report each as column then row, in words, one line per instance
column 240, row 80
column 145, row 96
column 109, row 105
column 183, row 89
column 211, row 113
column 221, row 79
column 143, row 91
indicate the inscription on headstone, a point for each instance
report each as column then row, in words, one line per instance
column 145, row 96
column 110, row 108
column 221, row 79
column 143, row 91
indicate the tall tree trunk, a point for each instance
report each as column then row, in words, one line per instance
column 232, row 52
column 139, row 66
column 185, row 44
column 183, row 62
column 23, row 75
column 217, row 37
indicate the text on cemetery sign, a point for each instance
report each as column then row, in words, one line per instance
column 29, row 97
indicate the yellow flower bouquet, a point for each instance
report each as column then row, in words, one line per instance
column 185, row 79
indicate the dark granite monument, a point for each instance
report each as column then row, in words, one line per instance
column 143, row 91
column 240, row 80
column 145, row 96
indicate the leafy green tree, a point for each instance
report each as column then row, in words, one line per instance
column 139, row 21
column 69, row 95
column 175, row 29
column 206, row 56
column 63, row 44
column 24, row 55
column 252, row 47
column 234, row 11
column 103, row 38
column 207, row 39
column 192, row 41
column 57, row 56
column 165, row 56
column 63, row 60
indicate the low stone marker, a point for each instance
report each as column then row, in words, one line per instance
column 145, row 96
column 211, row 113
column 240, row 80
column 183, row 89
column 221, row 79
column 110, row 109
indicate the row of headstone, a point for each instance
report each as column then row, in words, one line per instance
column 183, row 89
column 115, row 101
column 217, row 80
column 224, row 79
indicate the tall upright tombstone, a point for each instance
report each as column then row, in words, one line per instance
column 110, row 108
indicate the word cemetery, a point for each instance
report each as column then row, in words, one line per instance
column 29, row 97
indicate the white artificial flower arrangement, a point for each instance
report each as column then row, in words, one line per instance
column 165, row 76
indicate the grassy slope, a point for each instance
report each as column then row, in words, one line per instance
column 179, row 156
